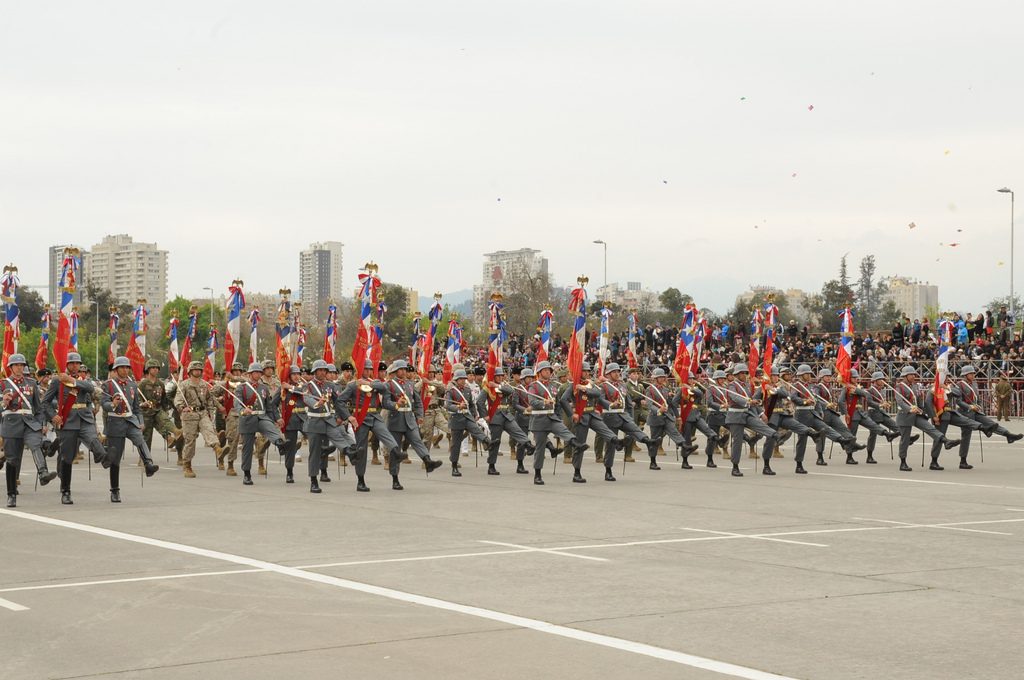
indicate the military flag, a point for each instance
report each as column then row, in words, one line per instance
column 186, row 350
column 300, row 347
column 232, row 334
column 172, row 335
column 74, row 329
column 115, row 320
column 452, row 350
column 368, row 285
column 284, row 339
column 44, row 340
column 942, row 365
column 426, row 356
column 754, row 357
column 12, row 324
column 544, row 348
column 495, row 349
column 210, row 366
column 771, row 315
column 254, row 320
column 136, row 351
column 377, row 346
column 632, row 360
column 578, row 340
column 603, row 351
column 331, row 336
column 68, row 281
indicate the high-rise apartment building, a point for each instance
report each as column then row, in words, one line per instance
column 911, row 297
column 128, row 269
column 502, row 272
column 320, row 276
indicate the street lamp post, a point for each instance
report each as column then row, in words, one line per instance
column 97, row 339
column 211, row 304
column 1013, row 311
column 605, row 260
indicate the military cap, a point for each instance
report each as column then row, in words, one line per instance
column 153, row 363
column 612, row 367
column 633, row 369
column 658, row 373
column 517, row 370
column 585, row 366
column 459, row 375
column 499, row 371
column 527, row 373
column 908, row 370
column 198, row 366
column 318, row 364
column 480, row 371
column 43, row 372
column 347, row 366
column 330, row 368
column 719, row 374
column 399, row 363
column 740, row 368
column 804, row 369
column 122, row 361
column 541, row 365
column 16, row 359
column 85, row 369
column 74, row 358
column 255, row 367
column 237, row 367
column 878, row 375
column 269, row 363
column 967, row 370
column 825, row 372
column 382, row 366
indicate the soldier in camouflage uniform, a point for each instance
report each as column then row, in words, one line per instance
column 155, row 404
column 224, row 393
column 636, row 389
column 197, row 406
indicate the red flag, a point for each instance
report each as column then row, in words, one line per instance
column 577, row 342
column 134, row 354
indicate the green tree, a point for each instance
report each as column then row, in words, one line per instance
column 675, row 302
column 867, row 294
column 835, row 296
column 30, row 309
column 1003, row 301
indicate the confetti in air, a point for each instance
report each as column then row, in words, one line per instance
column 912, row 225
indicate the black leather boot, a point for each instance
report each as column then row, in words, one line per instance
column 537, row 478
column 491, row 470
column 455, row 470
column 654, row 464
column 394, row 483
column 903, row 465
column 577, row 477
column 313, row 486
column 289, row 477
column 964, row 465
column 608, row 476
column 432, row 464
column 736, row 471
column 361, row 485
column 935, row 464
column 711, row 460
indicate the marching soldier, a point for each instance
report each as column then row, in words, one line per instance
column 876, row 410
column 809, row 404
column 404, row 421
column 951, row 415
column 744, row 413
column 70, row 399
column 616, row 409
column 462, row 417
column 544, row 421
column 254, row 402
column 121, row 404
column 522, row 401
column 636, row 389
column 579, row 403
column 434, row 415
column 197, row 407
column 777, row 399
column 910, row 401
column 23, row 425
column 828, row 411
column 969, row 407
column 503, row 420
column 326, row 417
column 290, row 402
column 369, row 398
column 664, row 416
column 224, row 393
column 715, row 399
column 695, row 421
column 154, row 402
column 859, row 400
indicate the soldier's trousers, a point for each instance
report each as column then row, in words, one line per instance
column 989, row 426
column 967, row 428
column 191, row 425
column 923, row 424
column 792, row 426
column 601, row 431
column 641, row 422
column 316, row 461
column 292, row 438
column 379, row 428
column 406, row 439
column 231, row 437
column 690, row 425
column 883, row 420
column 14, row 449
column 540, row 441
column 668, row 429
column 625, row 425
column 716, row 421
column 515, row 434
column 115, row 446
column 68, row 442
column 1003, row 408
column 268, row 429
column 459, row 434
column 838, row 425
column 811, row 420
column 159, row 421
column 433, row 418
column 736, row 431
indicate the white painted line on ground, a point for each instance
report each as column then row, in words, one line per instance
column 13, row 606
column 916, row 481
column 754, row 536
column 165, row 577
column 1015, row 509
column 435, row 603
column 552, row 551
column 413, row 559
column 958, row 526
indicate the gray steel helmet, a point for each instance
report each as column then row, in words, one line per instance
column 368, row 364
column 967, row 370
column 586, row 366
column 658, row 373
column 775, row 370
column 331, row 368
column 198, row 366
column 804, row 369
column 294, row 369
column 16, row 359
column 878, row 375
column 318, row 364
column 825, row 372
column 499, row 371
column 612, row 367
column 541, row 365
column 854, row 373
column 255, row 367
column 74, row 358
column 719, row 374
column 459, row 374
column 123, row 361
column 527, row 373
column 740, row 368
column 399, row 363
column 908, row 370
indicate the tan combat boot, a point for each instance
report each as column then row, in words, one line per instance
column 188, row 469
column 262, row 470
column 376, row 460
column 180, row 462
column 776, row 453
column 231, row 469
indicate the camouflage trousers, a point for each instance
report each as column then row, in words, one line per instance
column 191, row 425
column 231, row 439
column 159, row 421
column 433, row 417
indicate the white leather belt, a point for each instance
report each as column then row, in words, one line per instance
column 19, row 412
column 615, row 410
column 737, row 410
column 547, row 412
column 257, row 413
column 804, row 408
column 319, row 415
column 120, row 415
column 404, row 409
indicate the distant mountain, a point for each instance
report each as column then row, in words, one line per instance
column 461, row 301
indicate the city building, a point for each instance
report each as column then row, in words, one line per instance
column 633, row 295
column 56, row 263
column 320, row 277
column 504, row 271
column 910, row 296
column 796, row 301
column 129, row 270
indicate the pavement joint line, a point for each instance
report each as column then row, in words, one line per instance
column 13, row 606
column 958, row 526
column 553, row 551
column 917, row 481
column 165, row 577
column 755, row 536
column 411, row 559
column 681, row 658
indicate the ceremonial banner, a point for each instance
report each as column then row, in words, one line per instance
column 377, row 346
column 544, row 349
column 417, row 341
column 74, row 329
column 297, row 336
column 186, row 350
column 44, row 340
column 210, row 366
column 754, row 358
column 434, row 316
column 331, row 335
column 368, row 285
column 771, row 313
column 700, row 334
column 684, row 358
column 632, row 360
column 603, row 352
column 300, row 348
column 451, row 351
column 942, row 365
column 12, row 324
column 254, row 320
column 136, row 351
column 172, row 335
column 67, row 283
column 115, row 321
column 232, row 335
column 844, row 362
column 283, row 327
column 578, row 340
column 495, row 345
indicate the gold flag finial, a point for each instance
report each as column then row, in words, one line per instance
column 583, row 281
column 370, row 267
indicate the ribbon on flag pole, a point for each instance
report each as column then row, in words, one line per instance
column 254, row 320
column 115, row 321
column 172, row 335
column 942, row 365
column 377, row 348
column 44, row 340
column 577, row 342
column 232, row 334
column 544, row 347
column 632, row 360
column 210, row 366
column 283, row 327
column 9, row 283
column 771, row 315
column 300, row 349
column 603, row 352
column 754, row 357
column 416, row 346
column 331, row 334
column 495, row 346
column 368, row 285
column 68, row 281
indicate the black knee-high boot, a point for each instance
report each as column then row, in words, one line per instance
column 115, row 480
column 12, row 479
column 64, row 472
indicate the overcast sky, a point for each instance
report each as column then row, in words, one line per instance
column 234, row 134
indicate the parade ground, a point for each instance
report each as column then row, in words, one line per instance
column 847, row 572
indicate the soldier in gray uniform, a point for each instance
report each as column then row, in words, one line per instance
column 582, row 399
column 969, row 407
column 617, row 408
column 521, row 399
column 695, row 421
column 504, row 418
column 828, row 411
column 912, row 411
column 326, row 416
column 120, row 403
column 256, row 413
column 862, row 403
column 951, row 415
column 289, row 401
column 876, row 410
column 462, row 417
column 404, row 420
column 23, row 421
column 715, row 398
column 369, row 399
column 544, row 421
column 71, row 402
column 662, row 412
column 808, row 404
column 780, row 419
column 745, row 413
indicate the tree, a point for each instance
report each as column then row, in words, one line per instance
column 742, row 313
column 30, row 309
column 675, row 302
column 835, row 296
column 1004, row 301
column 888, row 314
column 867, row 293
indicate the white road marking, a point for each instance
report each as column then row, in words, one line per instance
column 435, row 603
column 754, row 536
column 553, row 551
column 13, row 606
column 958, row 526
column 916, row 481
column 165, row 577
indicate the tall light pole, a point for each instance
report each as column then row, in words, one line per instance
column 211, row 304
column 97, row 339
column 605, row 260
column 1013, row 311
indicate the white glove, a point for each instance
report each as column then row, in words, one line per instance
column 482, row 423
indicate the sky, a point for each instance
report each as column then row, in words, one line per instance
column 423, row 135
